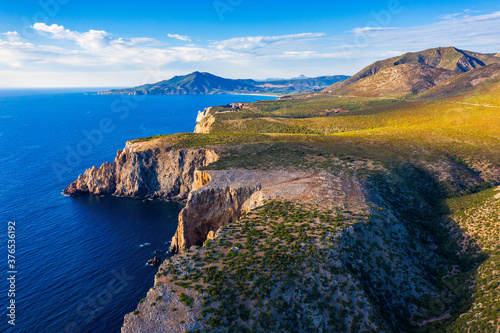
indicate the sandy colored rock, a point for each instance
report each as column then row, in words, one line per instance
column 223, row 196
column 137, row 172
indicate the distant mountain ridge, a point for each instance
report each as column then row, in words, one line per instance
column 411, row 73
column 201, row 83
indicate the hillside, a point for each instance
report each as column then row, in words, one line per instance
column 430, row 68
column 205, row 83
column 328, row 213
column 475, row 82
column 396, row 81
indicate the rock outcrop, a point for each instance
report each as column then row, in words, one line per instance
column 143, row 171
column 204, row 126
column 154, row 262
column 221, row 197
column 210, row 208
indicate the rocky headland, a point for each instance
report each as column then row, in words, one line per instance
column 139, row 170
column 383, row 218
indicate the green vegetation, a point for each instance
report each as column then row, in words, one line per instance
column 478, row 215
column 186, row 299
column 422, row 256
column 286, row 263
column 258, row 275
column 383, row 131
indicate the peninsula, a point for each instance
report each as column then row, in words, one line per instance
column 370, row 205
column 208, row 84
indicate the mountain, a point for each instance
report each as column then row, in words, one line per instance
column 476, row 81
column 411, row 73
column 403, row 79
column 199, row 83
column 300, row 77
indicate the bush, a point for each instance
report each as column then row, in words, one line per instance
column 186, row 299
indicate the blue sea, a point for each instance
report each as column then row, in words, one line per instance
column 80, row 263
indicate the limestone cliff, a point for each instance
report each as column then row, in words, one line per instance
column 204, row 121
column 204, row 126
column 221, row 197
column 211, row 207
column 144, row 171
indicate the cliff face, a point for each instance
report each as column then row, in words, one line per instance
column 221, row 197
column 140, row 172
column 211, row 207
column 372, row 255
column 205, row 126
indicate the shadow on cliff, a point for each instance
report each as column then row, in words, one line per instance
column 406, row 259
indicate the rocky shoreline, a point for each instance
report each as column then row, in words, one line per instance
column 346, row 210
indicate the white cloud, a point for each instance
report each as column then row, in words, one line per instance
column 368, row 29
column 180, row 37
column 456, row 15
column 95, row 51
column 12, row 36
column 94, row 39
column 450, row 16
column 250, row 43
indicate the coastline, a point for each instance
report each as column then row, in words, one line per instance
column 216, row 202
column 228, row 93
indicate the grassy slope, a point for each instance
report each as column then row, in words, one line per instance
column 276, row 270
column 479, row 216
column 392, row 133
column 292, row 268
column 383, row 130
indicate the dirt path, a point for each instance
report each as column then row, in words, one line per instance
column 473, row 104
column 441, row 317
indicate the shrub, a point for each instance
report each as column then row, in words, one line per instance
column 186, row 299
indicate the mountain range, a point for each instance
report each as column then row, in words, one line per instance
column 201, row 83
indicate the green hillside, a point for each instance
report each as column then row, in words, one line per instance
column 417, row 251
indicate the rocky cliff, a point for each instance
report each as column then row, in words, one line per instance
column 372, row 255
column 221, row 197
column 204, row 121
column 211, row 207
column 142, row 170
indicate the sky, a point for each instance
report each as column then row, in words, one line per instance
column 76, row 43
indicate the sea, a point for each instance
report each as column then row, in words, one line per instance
column 79, row 264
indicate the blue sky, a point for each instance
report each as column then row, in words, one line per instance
column 124, row 43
